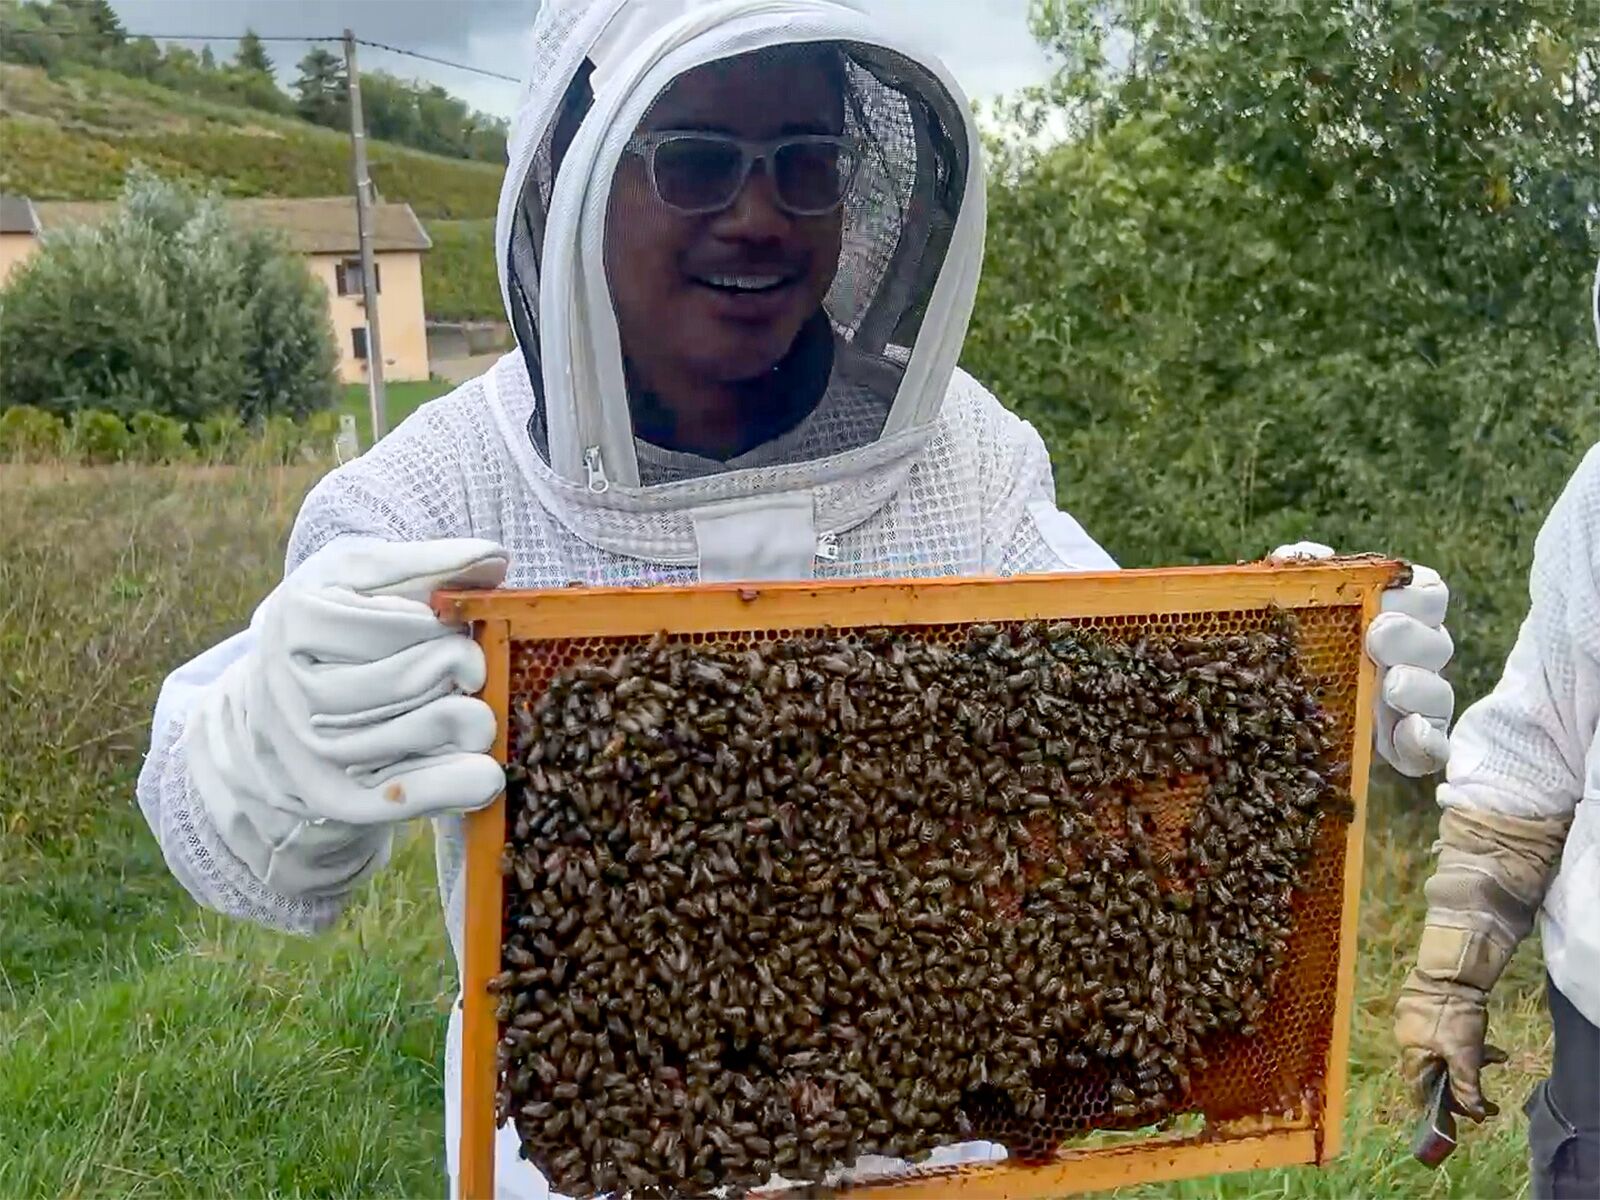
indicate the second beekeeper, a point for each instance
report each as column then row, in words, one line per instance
column 739, row 242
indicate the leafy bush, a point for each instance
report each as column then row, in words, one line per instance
column 29, row 434
column 276, row 442
column 318, row 434
column 1264, row 294
column 97, row 437
column 158, row 439
column 168, row 308
column 220, row 438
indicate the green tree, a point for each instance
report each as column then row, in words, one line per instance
column 288, row 351
column 429, row 118
column 140, row 58
column 96, row 18
column 1462, row 138
column 320, row 89
column 25, row 36
column 1307, row 271
column 252, row 54
column 167, row 308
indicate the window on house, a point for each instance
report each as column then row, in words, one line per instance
column 358, row 342
column 348, row 276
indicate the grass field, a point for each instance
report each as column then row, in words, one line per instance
column 150, row 1049
column 400, row 401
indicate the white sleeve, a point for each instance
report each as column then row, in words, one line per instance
column 1522, row 750
column 347, row 502
column 194, row 851
column 1033, row 535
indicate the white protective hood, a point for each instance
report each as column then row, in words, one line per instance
column 911, row 259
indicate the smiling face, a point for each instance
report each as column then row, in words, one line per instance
column 709, row 300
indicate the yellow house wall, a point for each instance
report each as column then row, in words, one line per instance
column 403, row 325
column 15, row 249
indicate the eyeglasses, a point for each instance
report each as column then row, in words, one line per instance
column 697, row 172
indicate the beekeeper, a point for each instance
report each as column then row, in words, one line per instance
column 1519, row 840
column 739, row 304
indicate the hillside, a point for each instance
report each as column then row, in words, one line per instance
column 73, row 133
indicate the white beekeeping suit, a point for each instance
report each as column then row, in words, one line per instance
column 739, row 304
column 1519, row 846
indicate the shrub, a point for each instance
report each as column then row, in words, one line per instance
column 166, row 308
column 93, row 436
column 318, row 434
column 29, row 434
column 158, row 439
column 97, row 437
column 289, row 357
column 220, row 438
column 275, row 441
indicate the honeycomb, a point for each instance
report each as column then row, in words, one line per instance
column 1277, row 1072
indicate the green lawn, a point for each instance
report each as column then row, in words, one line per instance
column 400, row 401
column 151, row 1049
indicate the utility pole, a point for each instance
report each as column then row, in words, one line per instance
column 369, row 282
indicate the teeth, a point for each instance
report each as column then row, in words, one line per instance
column 746, row 283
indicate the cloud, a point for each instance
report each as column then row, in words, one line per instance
column 985, row 43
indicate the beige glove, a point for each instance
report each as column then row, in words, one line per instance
column 1482, row 899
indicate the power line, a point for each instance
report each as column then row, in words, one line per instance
column 88, row 35
column 444, row 62
column 207, row 37
column 239, row 37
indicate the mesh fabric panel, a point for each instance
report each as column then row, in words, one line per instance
column 201, row 861
column 898, row 218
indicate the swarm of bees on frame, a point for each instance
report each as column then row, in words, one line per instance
column 771, row 909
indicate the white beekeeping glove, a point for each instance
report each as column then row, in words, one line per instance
column 349, row 715
column 1411, row 646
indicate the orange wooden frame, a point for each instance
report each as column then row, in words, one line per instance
column 501, row 618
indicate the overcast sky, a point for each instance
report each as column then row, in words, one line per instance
column 985, row 42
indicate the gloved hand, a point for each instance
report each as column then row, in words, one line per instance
column 1482, row 899
column 348, row 716
column 1411, row 646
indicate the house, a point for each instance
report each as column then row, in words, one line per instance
column 19, row 231
column 324, row 230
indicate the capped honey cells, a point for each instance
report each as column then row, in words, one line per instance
column 772, row 906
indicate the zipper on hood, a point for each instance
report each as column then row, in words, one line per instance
column 594, row 468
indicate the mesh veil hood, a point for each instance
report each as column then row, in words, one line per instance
column 899, row 306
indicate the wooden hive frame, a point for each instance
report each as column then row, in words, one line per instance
column 500, row 619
